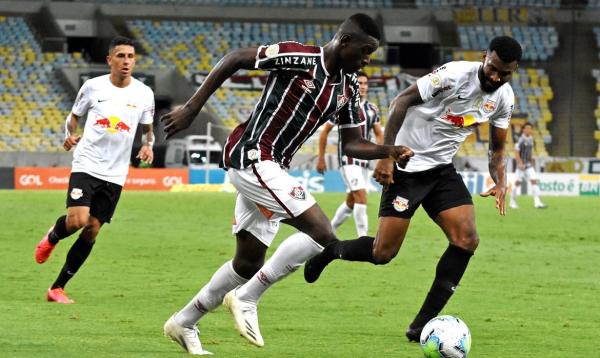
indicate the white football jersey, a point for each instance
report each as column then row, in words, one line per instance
column 113, row 114
column 454, row 104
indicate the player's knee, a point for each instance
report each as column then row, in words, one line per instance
column 383, row 256
column 468, row 241
column 76, row 222
column 246, row 268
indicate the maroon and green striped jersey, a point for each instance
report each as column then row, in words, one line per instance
column 369, row 115
column 299, row 96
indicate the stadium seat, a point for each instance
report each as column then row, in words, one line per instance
column 34, row 102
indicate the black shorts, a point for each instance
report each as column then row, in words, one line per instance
column 437, row 189
column 100, row 195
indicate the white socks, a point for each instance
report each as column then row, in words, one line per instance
column 360, row 219
column 514, row 193
column 341, row 214
column 210, row 296
column 536, row 195
column 288, row 257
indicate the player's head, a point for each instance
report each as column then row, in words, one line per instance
column 121, row 56
column 527, row 129
column 499, row 62
column 354, row 42
column 363, row 83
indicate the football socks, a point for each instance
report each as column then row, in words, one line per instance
column 449, row 271
column 341, row 214
column 288, row 257
column 210, row 296
column 75, row 258
column 360, row 219
column 60, row 230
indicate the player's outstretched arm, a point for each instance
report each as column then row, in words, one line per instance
column 497, row 167
column 321, row 166
column 356, row 146
column 182, row 117
column 406, row 99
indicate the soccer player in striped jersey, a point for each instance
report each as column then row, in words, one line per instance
column 525, row 168
column 355, row 172
column 306, row 87
column 434, row 116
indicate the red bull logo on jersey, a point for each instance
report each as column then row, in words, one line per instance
column 113, row 124
column 489, row 106
column 466, row 120
column 298, row 193
column 400, row 204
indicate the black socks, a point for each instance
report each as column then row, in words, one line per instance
column 75, row 258
column 60, row 230
column 360, row 249
column 449, row 271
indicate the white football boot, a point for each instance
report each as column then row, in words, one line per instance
column 245, row 318
column 188, row 338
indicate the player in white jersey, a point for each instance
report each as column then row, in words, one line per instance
column 525, row 168
column 355, row 172
column 433, row 117
column 114, row 105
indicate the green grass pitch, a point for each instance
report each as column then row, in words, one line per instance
column 531, row 289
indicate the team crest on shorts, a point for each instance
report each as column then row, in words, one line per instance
column 76, row 193
column 400, row 203
column 298, row 193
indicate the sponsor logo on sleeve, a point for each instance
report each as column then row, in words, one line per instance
column 436, row 80
column 272, row 50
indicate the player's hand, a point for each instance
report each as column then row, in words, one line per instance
column 383, row 173
column 321, row 166
column 146, row 154
column 177, row 120
column 70, row 142
column 500, row 194
column 401, row 155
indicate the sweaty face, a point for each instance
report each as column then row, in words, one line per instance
column 494, row 72
column 363, row 86
column 122, row 60
column 356, row 51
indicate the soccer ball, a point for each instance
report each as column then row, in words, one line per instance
column 446, row 337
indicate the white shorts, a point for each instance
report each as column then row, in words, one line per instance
column 527, row 174
column 355, row 177
column 267, row 194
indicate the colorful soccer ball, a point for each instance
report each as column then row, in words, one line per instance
column 446, row 337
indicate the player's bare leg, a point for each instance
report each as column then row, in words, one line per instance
column 249, row 257
column 379, row 250
column 458, row 224
column 315, row 232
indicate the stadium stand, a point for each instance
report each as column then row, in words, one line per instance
column 593, row 4
column 196, row 46
column 489, row 3
column 539, row 42
column 366, row 4
column 33, row 102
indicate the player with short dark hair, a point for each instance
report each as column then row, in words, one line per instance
column 114, row 105
column 526, row 168
column 355, row 172
column 306, row 87
column 433, row 117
